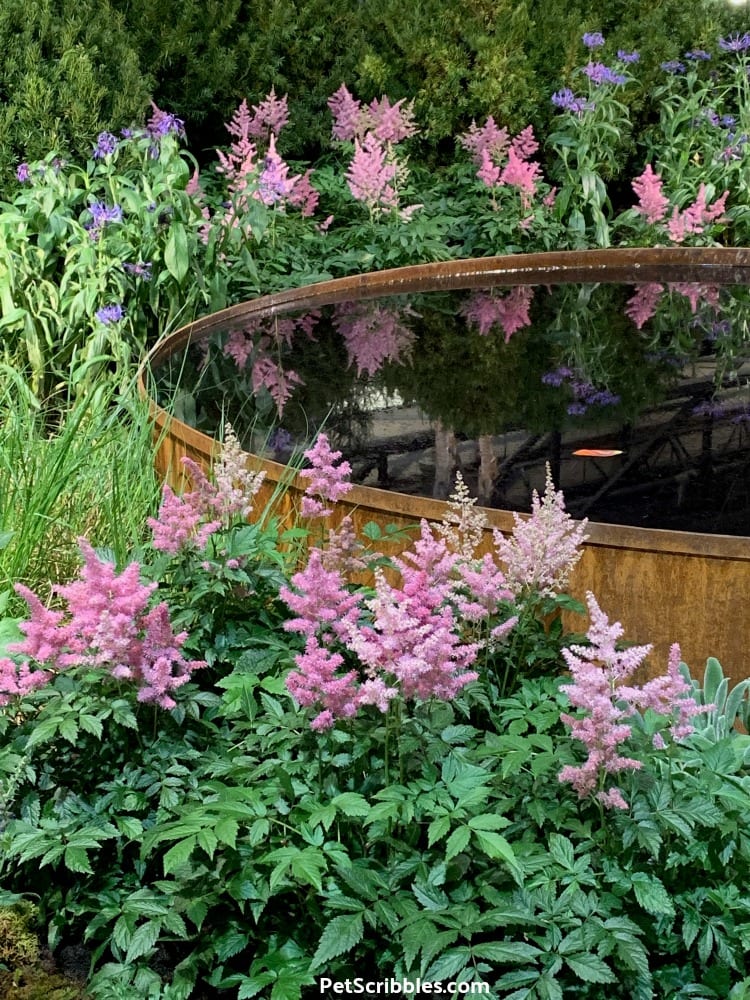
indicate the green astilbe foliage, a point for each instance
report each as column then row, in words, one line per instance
column 69, row 71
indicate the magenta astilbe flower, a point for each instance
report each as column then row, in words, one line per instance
column 303, row 195
column 671, row 695
column 373, row 334
column 17, row 680
column 544, row 548
column 320, row 599
column 162, row 667
column 239, row 347
column 328, row 477
column 318, row 682
column 642, row 306
column 181, row 522
column 696, row 292
column 489, row 172
column 520, row 174
column 371, row 174
column 652, row 202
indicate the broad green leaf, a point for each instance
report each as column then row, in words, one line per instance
column 438, row 829
column 651, row 894
column 496, row 846
column 340, row 935
column 351, row 804
column 226, row 831
column 507, row 951
column 77, row 860
column 176, row 252
column 488, row 821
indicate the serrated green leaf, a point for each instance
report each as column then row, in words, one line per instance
column 488, row 821
column 438, row 829
column 590, row 968
column 351, row 804
column 226, row 831
column 179, row 854
column 77, row 860
column 229, row 944
column 143, row 940
column 457, row 842
column 494, row 845
column 69, row 729
column 129, row 827
column 90, row 724
column 431, row 897
column 251, row 987
column 651, row 894
column 340, row 935
column 507, row 951
column 208, row 841
column 449, row 964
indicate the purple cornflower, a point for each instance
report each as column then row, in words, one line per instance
column 557, row 377
column 598, row 73
column 673, row 66
column 698, row 55
column 110, row 314
column 162, row 123
column 103, row 213
column 577, row 409
column 140, row 270
column 735, row 42
column 728, row 121
column 106, row 144
column 23, row 174
column 593, row 39
column 566, row 100
column 628, row 57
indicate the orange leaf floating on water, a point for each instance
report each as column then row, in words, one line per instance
column 597, row 452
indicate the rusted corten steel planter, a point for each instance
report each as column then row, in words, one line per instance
column 664, row 586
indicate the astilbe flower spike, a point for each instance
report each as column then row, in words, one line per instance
column 107, row 625
column 328, row 478
column 544, row 548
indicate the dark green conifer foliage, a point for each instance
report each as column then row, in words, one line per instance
column 69, row 71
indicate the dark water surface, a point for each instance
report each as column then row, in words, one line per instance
column 497, row 383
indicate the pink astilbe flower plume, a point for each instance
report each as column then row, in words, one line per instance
column 642, row 306
column 544, row 548
column 328, row 478
column 511, row 312
column 652, row 202
column 107, row 626
column 371, row 175
column 373, row 334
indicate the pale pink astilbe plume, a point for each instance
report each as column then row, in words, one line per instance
column 695, row 218
column 275, row 186
column 485, row 310
column 371, row 175
column 524, row 145
column 544, row 548
column 670, row 695
column 485, row 587
column 642, row 306
column 236, row 485
column 240, row 160
column 595, row 671
column 269, row 117
column 696, row 292
column 488, row 140
column 45, row 634
column 347, row 115
column 549, row 199
column 391, row 123
column 652, row 202
column 18, row 680
column 323, row 604
column 522, row 175
column 280, row 382
column 108, row 625
column 488, row 172
column 328, row 477
column 373, row 334
column 304, row 196
column 239, row 347
column 343, row 549
column 463, row 525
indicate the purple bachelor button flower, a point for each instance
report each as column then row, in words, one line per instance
column 110, row 314
column 628, row 57
column 735, row 42
column 566, row 100
column 598, row 73
column 728, row 121
column 593, row 39
column 577, row 409
column 103, row 213
column 673, row 66
column 23, row 173
column 106, row 144
column 698, row 55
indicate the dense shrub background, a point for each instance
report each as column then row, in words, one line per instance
column 70, row 70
